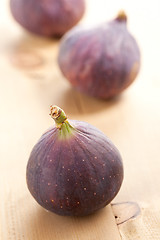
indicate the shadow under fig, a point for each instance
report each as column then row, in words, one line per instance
column 35, row 41
column 73, row 101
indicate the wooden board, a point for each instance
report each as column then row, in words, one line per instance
column 31, row 82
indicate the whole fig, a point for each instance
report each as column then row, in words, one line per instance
column 47, row 18
column 100, row 61
column 74, row 169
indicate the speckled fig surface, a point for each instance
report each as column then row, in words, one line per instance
column 74, row 169
column 100, row 61
column 47, row 18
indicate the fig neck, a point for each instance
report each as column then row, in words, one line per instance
column 61, row 122
column 121, row 16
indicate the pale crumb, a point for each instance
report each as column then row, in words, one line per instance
column 49, row 183
column 95, row 193
column 85, row 189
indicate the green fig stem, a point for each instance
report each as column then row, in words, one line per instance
column 122, row 17
column 61, row 121
column 58, row 115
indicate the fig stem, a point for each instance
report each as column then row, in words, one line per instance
column 122, row 17
column 60, row 118
column 65, row 130
column 58, row 115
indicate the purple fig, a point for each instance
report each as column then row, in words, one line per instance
column 100, row 61
column 47, row 18
column 74, row 169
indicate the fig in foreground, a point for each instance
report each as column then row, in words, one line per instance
column 74, row 169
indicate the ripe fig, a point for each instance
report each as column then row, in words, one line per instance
column 47, row 18
column 100, row 61
column 74, row 169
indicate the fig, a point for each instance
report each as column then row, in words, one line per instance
column 74, row 169
column 102, row 60
column 47, row 18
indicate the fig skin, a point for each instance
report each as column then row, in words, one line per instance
column 47, row 18
column 76, row 174
column 100, row 61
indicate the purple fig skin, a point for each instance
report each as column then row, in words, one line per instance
column 75, row 176
column 101, row 61
column 47, row 17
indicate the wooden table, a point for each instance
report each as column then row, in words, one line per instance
column 31, row 81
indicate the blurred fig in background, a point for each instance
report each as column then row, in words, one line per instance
column 100, row 61
column 47, row 17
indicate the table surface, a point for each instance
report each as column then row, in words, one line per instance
column 31, row 81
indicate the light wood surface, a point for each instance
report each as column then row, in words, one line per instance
column 31, row 81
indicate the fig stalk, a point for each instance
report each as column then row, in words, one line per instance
column 121, row 16
column 58, row 115
column 60, row 118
